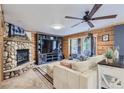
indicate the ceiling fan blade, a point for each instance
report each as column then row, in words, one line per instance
column 90, row 24
column 69, row 17
column 76, row 24
column 94, row 9
column 104, row 17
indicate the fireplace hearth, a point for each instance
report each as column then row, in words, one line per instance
column 22, row 56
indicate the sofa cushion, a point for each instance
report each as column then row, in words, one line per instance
column 50, row 68
column 69, row 61
column 66, row 64
column 80, row 66
column 86, row 65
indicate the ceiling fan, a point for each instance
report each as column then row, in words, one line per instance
column 88, row 16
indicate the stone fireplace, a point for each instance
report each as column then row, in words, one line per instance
column 17, row 56
column 22, row 56
column 12, row 46
column 17, row 51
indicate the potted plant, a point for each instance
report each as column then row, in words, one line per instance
column 109, row 56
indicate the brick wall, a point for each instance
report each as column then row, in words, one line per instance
column 101, row 46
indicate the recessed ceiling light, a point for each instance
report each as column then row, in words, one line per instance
column 57, row 26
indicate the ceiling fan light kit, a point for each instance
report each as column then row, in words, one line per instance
column 88, row 16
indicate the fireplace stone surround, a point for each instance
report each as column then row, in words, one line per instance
column 11, row 45
column 10, row 65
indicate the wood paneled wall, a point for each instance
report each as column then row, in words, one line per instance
column 33, row 35
column 1, row 44
column 101, row 46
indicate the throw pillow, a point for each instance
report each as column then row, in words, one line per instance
column 66, row 64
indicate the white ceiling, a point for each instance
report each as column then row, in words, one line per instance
column 40, row 17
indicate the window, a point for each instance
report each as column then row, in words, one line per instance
column 83, row 46
column 74, row 46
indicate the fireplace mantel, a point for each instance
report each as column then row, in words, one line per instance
column 16, row 39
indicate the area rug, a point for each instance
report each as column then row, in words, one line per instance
column 35, row 78
column 41, row 71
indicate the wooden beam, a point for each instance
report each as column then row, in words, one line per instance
column 1, row 42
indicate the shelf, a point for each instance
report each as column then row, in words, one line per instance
column 55, row 59
column 55, row 56
column 17, row 39
column 49, row 55
column 49, row 58
column 45, row 57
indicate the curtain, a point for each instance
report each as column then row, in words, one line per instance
column 86, row 47
column 89, row 46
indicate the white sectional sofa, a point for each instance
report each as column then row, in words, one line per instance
column 82, row 75
column 64, row 78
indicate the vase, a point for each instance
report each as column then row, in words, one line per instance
column 109, row 61
column 116, row 56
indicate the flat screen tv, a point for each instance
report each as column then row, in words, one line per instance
column 15, row 31
column 49, row 46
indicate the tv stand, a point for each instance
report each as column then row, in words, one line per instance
column 48, row 57
column 43, row 58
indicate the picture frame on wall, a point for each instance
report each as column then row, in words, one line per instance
column 105, row 38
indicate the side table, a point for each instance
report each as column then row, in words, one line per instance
column 110, row 76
